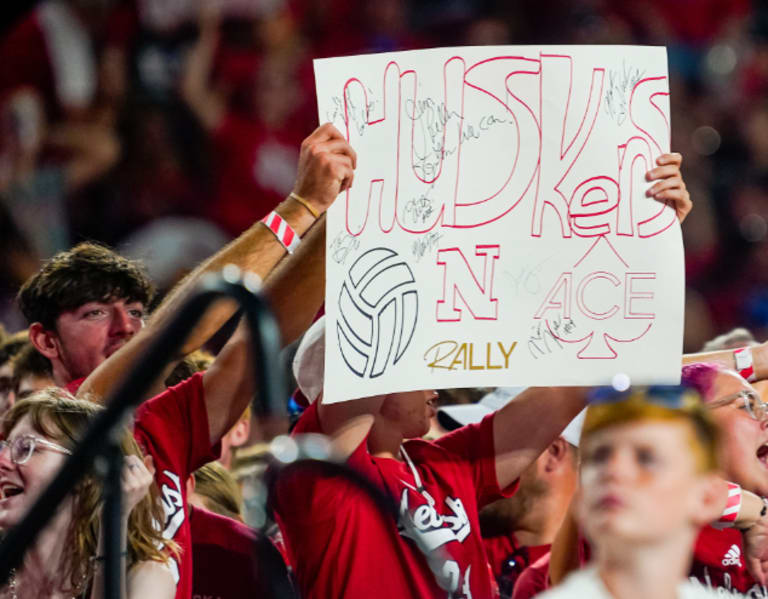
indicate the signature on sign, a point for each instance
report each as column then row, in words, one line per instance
column 431, row 119
column 620, row 86
column 342, row 246
column 425, row 244
column 358, row 114
column 543, row 342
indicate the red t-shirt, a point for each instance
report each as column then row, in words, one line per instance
column 534, row 579
column 74, row 386
column 343, row 546
column 173, row 428
column 718, row 563
column 223, row 551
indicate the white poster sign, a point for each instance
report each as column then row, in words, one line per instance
column 498, row 230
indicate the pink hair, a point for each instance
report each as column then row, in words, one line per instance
column 701, row 377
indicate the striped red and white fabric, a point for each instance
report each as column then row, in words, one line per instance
column 282, row 230
column 732, row 507
column 743, row 359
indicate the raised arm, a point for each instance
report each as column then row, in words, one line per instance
column 526, row 425
column 326, row 164
column 296, row 293
column 726, row 358
column 204, row 102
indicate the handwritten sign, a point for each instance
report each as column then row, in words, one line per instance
column 498, row 231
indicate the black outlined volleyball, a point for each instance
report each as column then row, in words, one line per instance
column 378, row 310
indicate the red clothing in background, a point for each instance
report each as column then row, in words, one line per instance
column 718, row 563
column 223, row 551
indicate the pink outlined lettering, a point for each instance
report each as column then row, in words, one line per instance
column 564, row 281
column 602, row 193
column 459, row 281
column 585, row 282
column 630, row 294
column 569, row 155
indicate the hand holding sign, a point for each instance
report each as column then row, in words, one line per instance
column 326, row 167
column 671, row 187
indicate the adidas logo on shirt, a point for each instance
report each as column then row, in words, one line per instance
column 733, row 556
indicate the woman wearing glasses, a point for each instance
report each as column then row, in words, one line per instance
column 66, row 560
column 720, row 557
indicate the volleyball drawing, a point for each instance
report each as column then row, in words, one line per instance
column 378, row 309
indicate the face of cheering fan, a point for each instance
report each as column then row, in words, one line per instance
column 743, row 421
column 21, row 483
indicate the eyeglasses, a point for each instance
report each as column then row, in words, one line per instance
column 22, row 448
column 752, row 403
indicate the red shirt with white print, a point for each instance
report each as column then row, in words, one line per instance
column 173, row 428
column 341, row 545
column 718, row 563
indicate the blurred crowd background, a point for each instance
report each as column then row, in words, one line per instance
column 165, row 127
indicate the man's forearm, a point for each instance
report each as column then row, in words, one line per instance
column 257, row 250
column 726, row 358
column 526, row 425
column 296, row 288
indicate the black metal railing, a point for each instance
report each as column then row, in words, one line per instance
column 100, row 439
column 100, row 444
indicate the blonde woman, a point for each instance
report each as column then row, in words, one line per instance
column 67, row 560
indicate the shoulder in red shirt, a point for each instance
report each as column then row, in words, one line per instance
column 343, row 546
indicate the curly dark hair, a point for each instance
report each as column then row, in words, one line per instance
column 86, row 273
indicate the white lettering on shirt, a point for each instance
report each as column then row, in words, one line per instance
column 431, row 531
column 173, row 506
column 726, row 590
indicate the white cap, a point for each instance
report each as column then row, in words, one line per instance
column 452, row 417
column 309, row 361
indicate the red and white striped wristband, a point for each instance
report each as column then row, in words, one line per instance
column 732, row 507
column 743, row 359
column 282, row 230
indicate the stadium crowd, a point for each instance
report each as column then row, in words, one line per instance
column 169, row 130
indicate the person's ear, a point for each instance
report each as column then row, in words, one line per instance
column 239, row 433
column 556, row 453
column 44, row 341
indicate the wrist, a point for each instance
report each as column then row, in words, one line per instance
column 760, row 361
column 313, row 210
column 753, row 508
column 296, row 215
